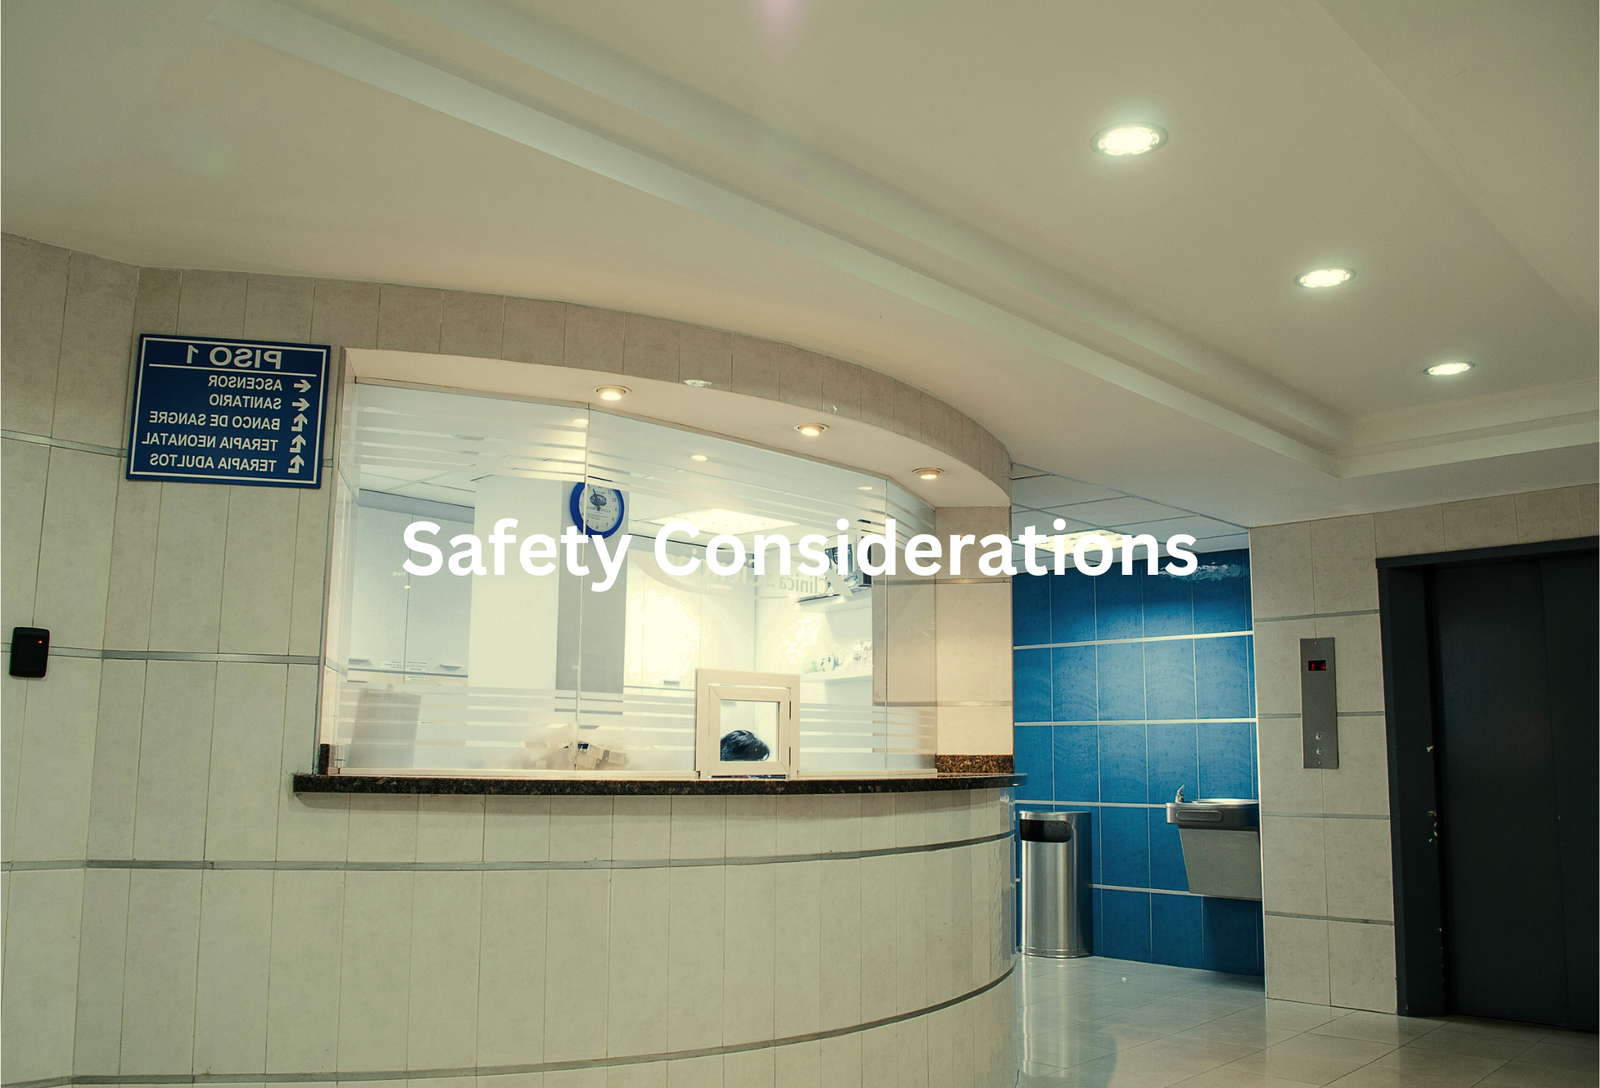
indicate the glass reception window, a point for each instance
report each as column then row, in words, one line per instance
column 746, row 723
column 511, row 674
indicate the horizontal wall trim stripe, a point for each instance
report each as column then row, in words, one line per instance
column 944, row 702
column 1342, row 714
column 1317, row 616
column 62, row 443
column 513, row 1070
column 1125, row 641
column 1100, row 804
column 1152, row 891
column 1323, row 816
column 176, row 655
column 495, row 866
column 1160, row 721
column 1327, row 918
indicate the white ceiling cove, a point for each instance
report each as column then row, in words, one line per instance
column 911, row 186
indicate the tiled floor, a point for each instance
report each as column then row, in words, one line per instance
column 1114, row 1024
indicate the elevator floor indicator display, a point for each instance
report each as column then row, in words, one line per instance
column 218, row 411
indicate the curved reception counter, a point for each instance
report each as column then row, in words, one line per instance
column 816, row 932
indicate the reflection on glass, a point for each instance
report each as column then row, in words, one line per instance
column 517, row 674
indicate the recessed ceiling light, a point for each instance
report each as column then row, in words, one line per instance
column 1444, row 370
column 812, row 430
column 929, row 473
column 698, row 383
column 1325, row 277
column 697, row 457
column 864, row 487
column 1129, row 139
column 613, row 392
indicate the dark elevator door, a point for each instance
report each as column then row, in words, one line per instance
column 1516, row 675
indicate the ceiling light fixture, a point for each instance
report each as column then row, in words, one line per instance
column 582, row 422
column 697, row 383
column 929, row 473
column 1119, row 141
column 811, row 430
column 1325, row 277
column 697, row 457
column 1445, row 370
column 864, row 487
column 613, row 392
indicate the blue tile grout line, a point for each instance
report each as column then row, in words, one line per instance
column 1130, row 641
column 1186, row 721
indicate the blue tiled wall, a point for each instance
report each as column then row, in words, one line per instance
column 1127, row 687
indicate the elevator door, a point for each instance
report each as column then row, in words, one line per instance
column 1516, row 679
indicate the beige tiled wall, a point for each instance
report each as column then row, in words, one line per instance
column 973, row 648
column 253, row 931
column 1328, row 891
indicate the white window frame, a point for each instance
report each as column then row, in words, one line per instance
column 711, row 687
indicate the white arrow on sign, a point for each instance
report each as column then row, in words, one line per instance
column 299, row 421
column 298, row 443
column 295, row 462
column 301, row 404
column 302, row 385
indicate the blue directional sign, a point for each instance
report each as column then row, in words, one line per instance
column 211, row 410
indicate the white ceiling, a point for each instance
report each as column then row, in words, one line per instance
column 910, row 186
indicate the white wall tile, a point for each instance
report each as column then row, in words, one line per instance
column 751, row 828
column 186, row 602
column 580, row 828
column 575, row 1078
column 699, row 827
column 75, row 547
column 638, row 956
column 446, row 919
column 941, row 1049
column 258, row 570
column 841, row 822
column 516, row 829
column 174, row 760
column 799, row 1066
column 695, row 942
column 313, row 827
column 246, row 762
column 877, row 821
column 839, row 929
column 32, row 305
column 911, row 819
column 1360, row 876
column 304, row 970
column 133, row 564
column 748, row 956
column 576, row 967
column 911, row 930
column 1280, row 570
column 962, row 926
column 212, row 304
column 644, row 1075
column 713, row 1072
column 975, row 730
column 797, row 999
column 798, row 824
column 158, row 990
column 1297, row 959
column 1286, row 785
column 1559, row 514
column 375, row 970
column 641, row 827
column 1361, row 966
column 840, row 1061
column 594, row 339
column 102, row 950
column 383, row 827
column 345, row 314
column 751, row 1069
column 472, row 325
column 973, row 648
column 52, row 814
column 1344, row 573
column 880, row 1059
column 1480, row 523
column 41, row 970
column 96, row 334
column 940, row 896
column 1361, row 784
column 511, row 968
column 1277, row 649
column 409, row 318
column 278, row 308
column 230, row 1029
column 1358, row 646
column 1414, row 531
column 878, row 953
column 912, row 1050
column 449, row 828
column 535, row 331
column 1292, row 865
column 308, row 608
column 24, row 467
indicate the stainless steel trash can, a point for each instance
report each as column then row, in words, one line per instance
column 1056, row 903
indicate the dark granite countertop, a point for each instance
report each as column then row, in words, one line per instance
column 358, row 783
